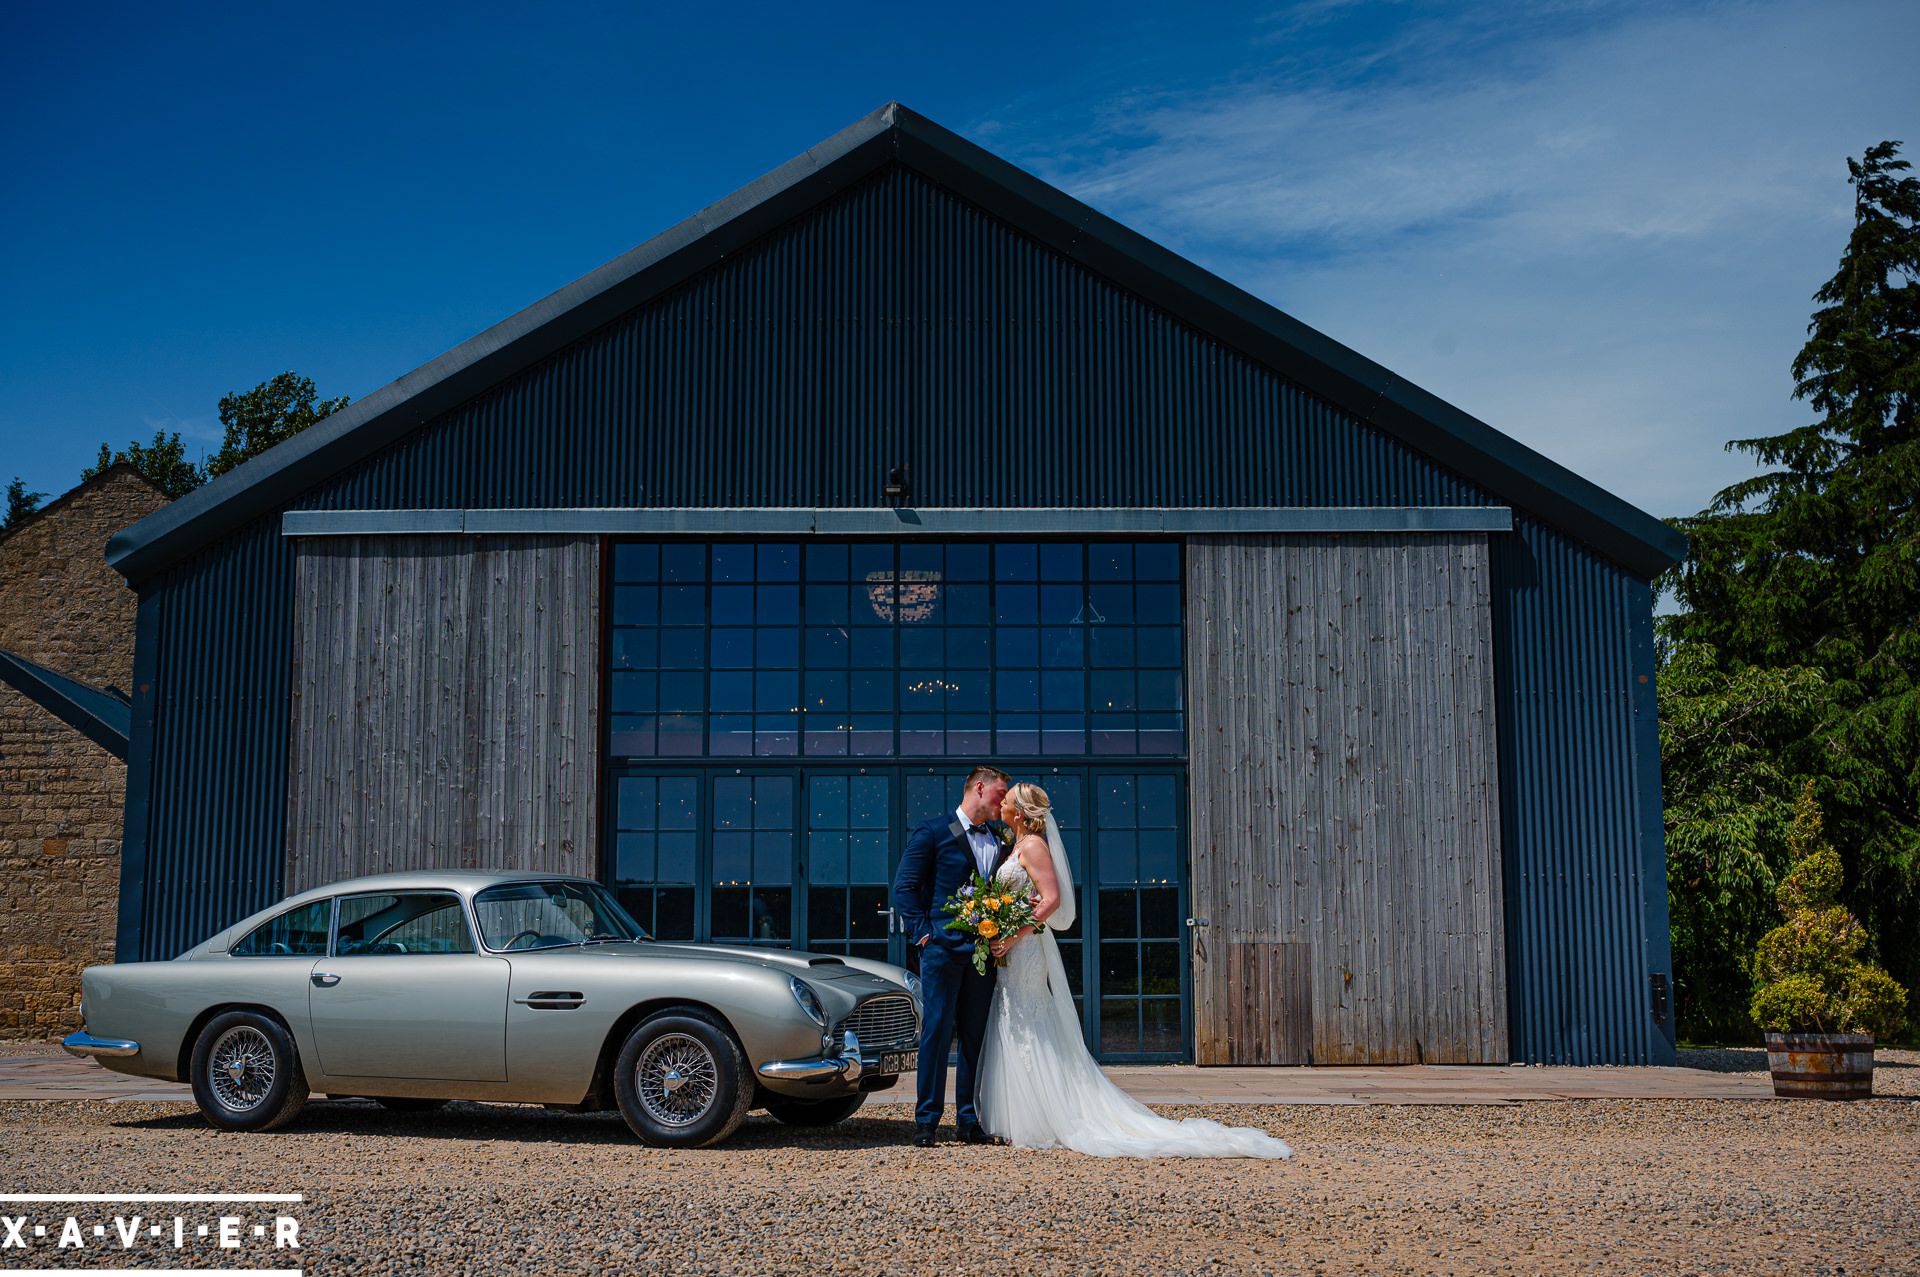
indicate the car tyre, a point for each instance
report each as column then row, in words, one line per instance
column 246, row 1072
column 408, row 1104
column 815, row 1112
column 682, row 1081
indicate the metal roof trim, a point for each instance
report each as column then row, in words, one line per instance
column 898, row 521
column 101, row 717
column 1417, row 418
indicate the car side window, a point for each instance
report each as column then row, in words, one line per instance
column 402, row 922
column 297, row 933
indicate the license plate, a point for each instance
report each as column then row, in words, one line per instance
column 897, row 1062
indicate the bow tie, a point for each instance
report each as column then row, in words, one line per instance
column 978, row 829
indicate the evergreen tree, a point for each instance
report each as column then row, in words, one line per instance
column 20, row 503
column 1810, row 573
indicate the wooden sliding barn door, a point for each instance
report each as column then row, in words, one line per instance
column 444, row 693
column 1346, row 850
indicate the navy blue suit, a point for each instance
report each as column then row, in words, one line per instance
column 937, row 862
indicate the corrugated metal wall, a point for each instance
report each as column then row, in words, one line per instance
column 893, row 324
column 1579, row 803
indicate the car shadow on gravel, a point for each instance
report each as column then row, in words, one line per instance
column 526, row 1123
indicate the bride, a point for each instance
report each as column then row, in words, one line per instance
column 1039, row 1086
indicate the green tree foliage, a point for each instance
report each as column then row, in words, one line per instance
column 272, row 412
column 1795, row 653
column 163, row 462
column 1728, row 755
column 20, row 503
column 1809, row 975
column 255, row 420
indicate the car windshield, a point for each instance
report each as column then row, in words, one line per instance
column 543, row 915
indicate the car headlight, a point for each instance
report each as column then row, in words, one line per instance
column 913, row 985
column 809, row 1000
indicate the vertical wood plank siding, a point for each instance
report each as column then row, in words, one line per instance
column 444, row 706
column 898, row 323
column 1345, row 818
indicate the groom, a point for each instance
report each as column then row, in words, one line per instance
column 940, row 856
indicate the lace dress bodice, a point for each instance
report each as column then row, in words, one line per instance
column 1026, row 969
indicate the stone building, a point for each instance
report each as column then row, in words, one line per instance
column 66, row 671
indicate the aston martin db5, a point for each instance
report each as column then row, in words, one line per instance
column 413, row 989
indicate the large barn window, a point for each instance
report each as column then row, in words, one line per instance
column 911, row 649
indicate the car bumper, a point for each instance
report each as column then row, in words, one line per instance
column 84, row 1044
column 849, row 1064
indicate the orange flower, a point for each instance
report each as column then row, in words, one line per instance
column 989, row 928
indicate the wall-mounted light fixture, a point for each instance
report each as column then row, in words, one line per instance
column 898, row 490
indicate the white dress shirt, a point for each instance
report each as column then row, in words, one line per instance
column 986, row 848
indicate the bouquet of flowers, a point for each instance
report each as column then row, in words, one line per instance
column 985, row 910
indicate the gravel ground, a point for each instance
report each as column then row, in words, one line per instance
column 1614, row 1186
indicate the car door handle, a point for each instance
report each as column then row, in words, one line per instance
column 325, row 979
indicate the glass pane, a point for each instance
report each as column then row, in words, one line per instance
column 1116, row 914
column 673, row 913
column 1160, row 969
column 1160, row 1025
column 1119, row 967
column 1119, row 1026
column 1160, row 912
column 640, row 562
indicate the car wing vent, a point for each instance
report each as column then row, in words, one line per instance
column 552, row 1000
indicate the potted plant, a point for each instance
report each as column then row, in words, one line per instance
column 1820, row 1003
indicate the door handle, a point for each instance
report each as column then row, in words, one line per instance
column 325, row 979
column 1198, row 922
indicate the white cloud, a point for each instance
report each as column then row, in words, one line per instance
column 1603, row 243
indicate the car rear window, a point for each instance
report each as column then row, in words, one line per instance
column 296, row 933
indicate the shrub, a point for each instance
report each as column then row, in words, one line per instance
column 1809, row 971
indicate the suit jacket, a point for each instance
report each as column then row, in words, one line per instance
column 937, row 862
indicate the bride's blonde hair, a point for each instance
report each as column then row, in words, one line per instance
column 1032, row 803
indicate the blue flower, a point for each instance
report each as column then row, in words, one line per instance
column 966, row 891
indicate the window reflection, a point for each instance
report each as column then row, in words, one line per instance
column 895, row 649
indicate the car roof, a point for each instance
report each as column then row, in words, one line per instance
column 464, row 881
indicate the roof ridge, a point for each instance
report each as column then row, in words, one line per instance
column 895, row 132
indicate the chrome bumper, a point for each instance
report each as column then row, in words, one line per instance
column 850, row 1065
column 84, row 1044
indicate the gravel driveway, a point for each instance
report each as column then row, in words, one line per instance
column 1615, row 1186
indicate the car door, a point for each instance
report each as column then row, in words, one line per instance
column 405, row 994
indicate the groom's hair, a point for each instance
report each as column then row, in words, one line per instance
column 986, row 773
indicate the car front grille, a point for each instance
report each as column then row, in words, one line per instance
column 884, row 1020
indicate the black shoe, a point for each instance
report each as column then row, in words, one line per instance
column 923, row 1137
column 975, row 1135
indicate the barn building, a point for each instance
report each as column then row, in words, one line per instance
column 710, row 573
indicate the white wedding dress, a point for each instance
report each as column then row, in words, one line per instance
column 1039, row 1086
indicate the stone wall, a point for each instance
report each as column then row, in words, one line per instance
column 61, row 795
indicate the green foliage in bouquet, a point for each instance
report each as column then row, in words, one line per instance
column 1810, row 972
column 984, row 910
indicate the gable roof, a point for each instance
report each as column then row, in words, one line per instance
column 116, row 470
column 101, row 717
column 1423, row 422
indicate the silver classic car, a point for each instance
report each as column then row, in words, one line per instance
column 417, row 988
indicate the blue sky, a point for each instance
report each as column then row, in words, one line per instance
column 1595, row 225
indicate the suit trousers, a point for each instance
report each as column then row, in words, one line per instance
column 954, row 1000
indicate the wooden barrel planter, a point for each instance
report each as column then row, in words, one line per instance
column 1821, row 1066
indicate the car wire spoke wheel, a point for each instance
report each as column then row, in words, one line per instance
column 676, row 1079
column 240, row 1068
